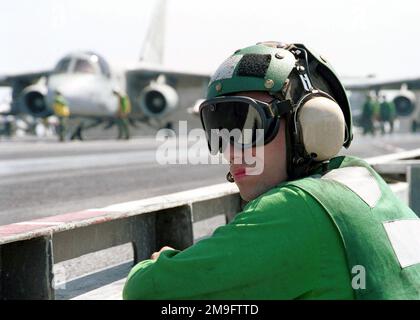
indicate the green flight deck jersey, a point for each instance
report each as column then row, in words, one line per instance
column 299, row 240
column 387, row 111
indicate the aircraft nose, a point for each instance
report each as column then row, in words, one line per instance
column 65, row 86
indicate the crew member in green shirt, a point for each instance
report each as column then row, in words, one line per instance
column 316, row 225
column 62, row 111
column 387, row 114
column 369, row 115
column 124, row 109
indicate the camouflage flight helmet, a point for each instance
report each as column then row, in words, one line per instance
column 298, row 75
column 255, row 68
column 269, row 66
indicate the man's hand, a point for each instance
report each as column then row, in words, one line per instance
column 156, row 255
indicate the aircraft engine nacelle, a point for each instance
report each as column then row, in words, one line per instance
column 34, row 100
column 406, row 108
column 158, row 100
column 405, row 103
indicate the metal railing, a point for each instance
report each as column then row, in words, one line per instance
column 28, row 250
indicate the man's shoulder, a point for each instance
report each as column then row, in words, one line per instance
column 289, row 195
column 339, row 162
column 284, row 197
column 287, row 209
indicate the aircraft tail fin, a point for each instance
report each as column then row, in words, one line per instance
column 153, row 45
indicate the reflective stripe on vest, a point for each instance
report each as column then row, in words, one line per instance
column 379, row 232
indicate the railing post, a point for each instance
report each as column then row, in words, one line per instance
column 169, row 227
column 174, row 228
column 1, row 275
column 27, row 270
column 413, row 179
column 144, row 236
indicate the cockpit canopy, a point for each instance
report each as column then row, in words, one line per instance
column 85, row 62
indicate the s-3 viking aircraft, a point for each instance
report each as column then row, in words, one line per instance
column 405, row 93
column 87, row 82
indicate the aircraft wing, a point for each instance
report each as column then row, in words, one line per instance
column 30, row 77
column 153, row 71
column 189, row 86
column 375, row 84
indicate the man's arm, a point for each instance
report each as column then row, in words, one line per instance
column 269, row 251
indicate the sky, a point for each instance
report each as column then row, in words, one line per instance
column 358, row 37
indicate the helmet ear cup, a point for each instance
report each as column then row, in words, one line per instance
column 322, row 127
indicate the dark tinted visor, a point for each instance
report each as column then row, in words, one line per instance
column 235, row 121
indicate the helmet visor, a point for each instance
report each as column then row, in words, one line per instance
column 236, row 120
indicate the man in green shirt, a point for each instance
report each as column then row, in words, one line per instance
column 62, row 111
column 368, row 116
column 316, row 226
column 387, row 114
column 124, row 109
